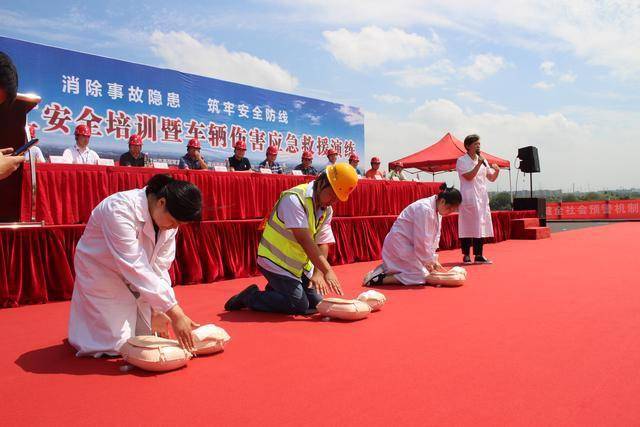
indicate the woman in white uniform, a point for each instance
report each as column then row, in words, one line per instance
column 474, row 221
column 122, row 286
column 409, row 250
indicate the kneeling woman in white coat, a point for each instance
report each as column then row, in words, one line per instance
column 409, row 250
column 122, row 286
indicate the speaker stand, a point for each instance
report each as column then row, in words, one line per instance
column 531, row 185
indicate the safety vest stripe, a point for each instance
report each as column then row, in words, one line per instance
column 277, row 252
column 284, row 232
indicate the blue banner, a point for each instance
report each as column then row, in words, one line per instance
column 167, row 108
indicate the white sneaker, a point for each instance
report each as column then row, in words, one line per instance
column 370, row 276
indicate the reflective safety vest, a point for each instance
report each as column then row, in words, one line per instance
column 279, row 245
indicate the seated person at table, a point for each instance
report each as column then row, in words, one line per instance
column 397, row 172
column 332, row 156
column 8, row 92
column 375, row 169
column 193, row 159
column 306, row 166
column 238, row 162
column 35, row 150
column 353, row 161
column 135, row 156
column 81, row 154
column 270, row 161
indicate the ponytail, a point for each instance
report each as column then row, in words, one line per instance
column 184, row 200
column 451, row 195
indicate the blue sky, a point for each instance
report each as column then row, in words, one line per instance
column 563, row 76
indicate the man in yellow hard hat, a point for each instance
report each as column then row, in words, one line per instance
column 295, row 244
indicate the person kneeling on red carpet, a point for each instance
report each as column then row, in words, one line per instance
column 409, row 250
column 122, row 287
column 294, row 247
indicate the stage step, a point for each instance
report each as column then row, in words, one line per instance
column 518, row 225
column 533, row 233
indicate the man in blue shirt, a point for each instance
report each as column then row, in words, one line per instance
column 238, row 162
column 193, row 159
column 270, row 161
column 306, row 165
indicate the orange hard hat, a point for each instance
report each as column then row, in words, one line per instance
column 332, row 152
column 343, row 179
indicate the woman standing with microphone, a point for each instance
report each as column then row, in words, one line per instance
column 474, row 220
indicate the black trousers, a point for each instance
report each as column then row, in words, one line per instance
column 477, row 244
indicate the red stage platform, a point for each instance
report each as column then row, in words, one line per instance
column 548, row 335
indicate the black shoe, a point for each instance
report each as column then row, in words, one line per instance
column 482, row 260
column 466, row 259
column 237, row 302
column 374, row 277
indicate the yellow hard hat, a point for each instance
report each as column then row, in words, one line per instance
column 343, row 179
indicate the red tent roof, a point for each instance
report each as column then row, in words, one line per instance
column 442, row 156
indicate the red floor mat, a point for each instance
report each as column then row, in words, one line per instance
column 548, row 335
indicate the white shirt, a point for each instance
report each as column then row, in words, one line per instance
column 37, row 153
column 293, row 214
column 474, row 218
column 117, row 258
column 79, row 156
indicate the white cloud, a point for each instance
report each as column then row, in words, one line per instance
column 542, row 85
column 547, row 67
column 433, row 75
column 603, row 32
column 352, row 115
column 313, row 119
column 442, row 71
column 388, row 99
column 483, row 66
column 373, row 46
column 473, row 97
column 181, row 51
column 568, row 78
column 562, row 142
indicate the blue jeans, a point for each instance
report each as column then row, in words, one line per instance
column 284, row 295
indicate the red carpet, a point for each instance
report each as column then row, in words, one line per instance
column 542, row 337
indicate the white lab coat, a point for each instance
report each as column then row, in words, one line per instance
column 121, row 272
column 474, row 217
column 412, row 242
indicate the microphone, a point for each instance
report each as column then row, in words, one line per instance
column 484, row 162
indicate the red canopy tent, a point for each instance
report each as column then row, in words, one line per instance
column 442, row 156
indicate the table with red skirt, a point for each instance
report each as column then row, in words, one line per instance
column 67, row 193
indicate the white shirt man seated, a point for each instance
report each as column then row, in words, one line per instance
column 81, row 153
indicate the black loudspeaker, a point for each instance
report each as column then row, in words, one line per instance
column 529, row 161
column 532, row 204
